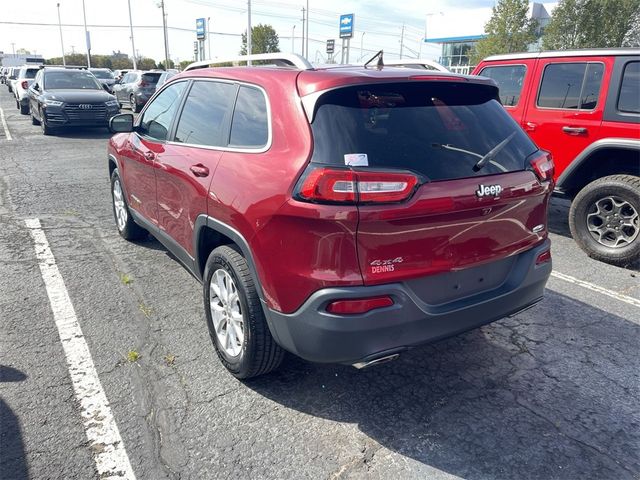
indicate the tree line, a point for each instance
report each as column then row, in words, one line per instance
column 574, row 24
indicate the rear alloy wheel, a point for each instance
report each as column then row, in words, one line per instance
column 127, row 227
column 605, row 219
column 235, row 318
column 134, row 105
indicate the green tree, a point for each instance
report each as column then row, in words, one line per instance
column 508, row 30
column 590, row 24
column 145, row 63
column 264, row 39
column 171, row 65
column 632, row 37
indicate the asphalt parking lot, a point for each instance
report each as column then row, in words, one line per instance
column 552, row 393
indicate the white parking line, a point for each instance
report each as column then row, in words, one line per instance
column 106, row 444
column 7, row 133
column 596, row 288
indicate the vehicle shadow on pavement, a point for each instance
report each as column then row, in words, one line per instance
column 13, row 463
column 85, row 133
column 551, row 393
column 559, row 216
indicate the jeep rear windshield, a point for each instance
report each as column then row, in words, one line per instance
column 438, row 129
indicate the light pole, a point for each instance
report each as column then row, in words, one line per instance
column 133, row 45
column 86, row 36
column 209, row 36
column 164, row 31
column 13, row 47
column 306, row 47
column 64, row 62
column 249, row 32
column 361, row 41
column 303, row 25
column 293, row 40
column 402, row 41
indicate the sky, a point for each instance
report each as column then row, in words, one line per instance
column 378, row 25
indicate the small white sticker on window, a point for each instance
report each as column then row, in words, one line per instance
column 356, row 159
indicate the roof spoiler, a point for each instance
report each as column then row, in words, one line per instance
column 286, row 60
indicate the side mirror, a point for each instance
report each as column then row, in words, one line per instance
column 121, row 123
column 36, row 87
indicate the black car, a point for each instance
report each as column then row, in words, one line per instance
column 62, row 97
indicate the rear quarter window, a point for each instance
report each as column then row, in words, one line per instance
column 509, row 79
column 629, row 98
column 250, row 125
column 437, row 129
column 570, row 86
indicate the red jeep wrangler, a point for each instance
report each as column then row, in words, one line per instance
column 342, row 214
column 584, row 107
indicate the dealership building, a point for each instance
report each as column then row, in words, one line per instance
column 457, row 51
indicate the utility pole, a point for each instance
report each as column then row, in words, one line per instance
column 166, row 41
column 303, row 25
column 209, row 36
column 73, row 49
column 249, row 32
column 306, row 47
column 133, row 45
column 402, row 41
column 293, row 40
column 86, row 36
column 361, row 41
column 64, row 62
column 13, row 47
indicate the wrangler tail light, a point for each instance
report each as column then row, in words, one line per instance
column 542, row 165
column 358, row 305
column 24, row 84
column 333, row 185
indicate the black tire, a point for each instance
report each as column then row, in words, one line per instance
column 624, row 187
column 46, row 129
column 24, row 109
column 129, row 230
column 260, row 354
column 34, row 120
column 17, row 104
column 135, row 108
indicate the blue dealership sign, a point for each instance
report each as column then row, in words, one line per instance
column 201, row 26
column 346, row 25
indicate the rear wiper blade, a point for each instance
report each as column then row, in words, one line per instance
column 484, row 159
column 492, row 153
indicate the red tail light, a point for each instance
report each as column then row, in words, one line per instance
column 24, row 85
column 332, row 185
column 542, row 165
column 358, row 305
column 544, row 257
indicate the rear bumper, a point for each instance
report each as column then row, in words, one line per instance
column 318, row 336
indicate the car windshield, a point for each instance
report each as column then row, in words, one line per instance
column 103, row 74
column 441, row 130
column 71, row 80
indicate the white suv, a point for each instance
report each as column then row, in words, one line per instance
column 21, row 84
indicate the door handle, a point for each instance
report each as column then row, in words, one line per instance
column 149, row 155
column 199, row 170
column 530, row 126
column 574, row 130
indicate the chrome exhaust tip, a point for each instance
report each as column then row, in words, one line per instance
column 376, row 361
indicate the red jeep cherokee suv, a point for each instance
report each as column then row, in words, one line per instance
column 583, row 106
column 342, row 214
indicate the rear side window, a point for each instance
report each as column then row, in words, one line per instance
column 509, row 79
column 151, row 78
column 204, row 118
column 440, row 130
column 629, row 99
column 571, row 86
column 250, row 127
column 157, row 117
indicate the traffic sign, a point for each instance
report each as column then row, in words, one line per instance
column 331, row 46
column 201, row 33
column 346, row 25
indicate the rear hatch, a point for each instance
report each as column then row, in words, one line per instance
column 148, row 82
column 443, row 178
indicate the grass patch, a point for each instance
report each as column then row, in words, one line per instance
column 126, row 279
column 169, row 360
column 146, row 311
column 133, row 356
